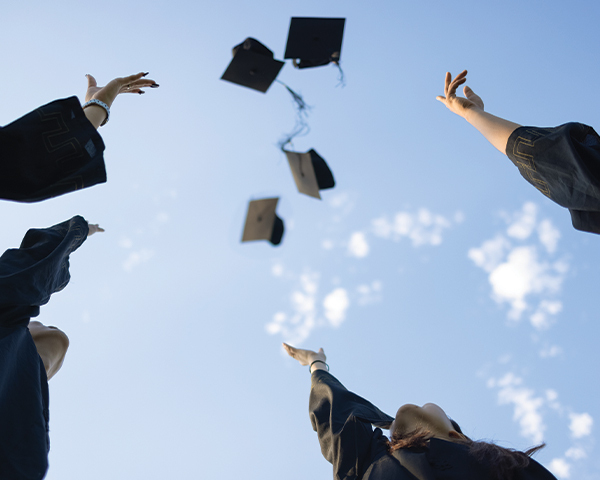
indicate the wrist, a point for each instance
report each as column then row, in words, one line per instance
column 317, row 364
column 97, row 112
column 471, row 113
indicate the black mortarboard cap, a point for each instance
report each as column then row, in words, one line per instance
column 310, row 172
column 315, row 41
column 262, row 223
column 253, row 66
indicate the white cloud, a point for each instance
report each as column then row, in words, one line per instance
column 581, row 424
column 548, row 235
column 552, row 400
column 550, row 351
column 339, row 200
column 296, row 326
column 526, row 405
column 369, row 293
column 327, row 244
column 526, row 277
column 137, row 258
column 575, row 453
column 277, row 270
column 520, row 275
column 343, row 204
column 523, row 222
column 540, row 318
column 459, row 217
column 336, row 304
column 528, row 408
column 560, row 468
column 490, row 254
column 551, row 395
column 125, row 242
column 422, row 227
column 277, row 324
column 358, row 246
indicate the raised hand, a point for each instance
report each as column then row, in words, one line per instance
column 108, row 93
column 459, row 105
column 305, row 357
column 93, row 228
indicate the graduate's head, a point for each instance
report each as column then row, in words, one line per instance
column 430, row 417
column 414, row 426
column 51, row 344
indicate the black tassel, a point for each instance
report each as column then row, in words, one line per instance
column 301, row 127
column 341, row 76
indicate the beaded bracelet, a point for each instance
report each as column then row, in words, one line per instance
column 317, row 361
column 100, row 103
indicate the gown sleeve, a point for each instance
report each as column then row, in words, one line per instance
column 48, row 152
column 30, row 274
column 343, row 422
column 564, row 164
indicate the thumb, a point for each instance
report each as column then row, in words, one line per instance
column 321, row 351
column 440, row 98
column 468, row 91
column 91, row 81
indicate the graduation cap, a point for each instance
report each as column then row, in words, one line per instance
column 262, row 223
column 253, row 66
column 315, row 41
column 310, row 172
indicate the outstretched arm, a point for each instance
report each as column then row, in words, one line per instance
column 107, row 94
column 495, row 129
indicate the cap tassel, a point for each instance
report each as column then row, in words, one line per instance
column 341, row 76
column 301, row 127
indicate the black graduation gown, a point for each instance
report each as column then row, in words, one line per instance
column 564, row 164
column 343, row 422
column 28, row 276
column 49, row 152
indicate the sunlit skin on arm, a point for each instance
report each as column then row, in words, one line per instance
column 409, row 417
column 107, row 94
column 495, row 129
column 50, row 342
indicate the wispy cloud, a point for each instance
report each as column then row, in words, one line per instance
column 528, row 411
column 550, row 351
column 343, row 204
column 522, row 270
column 575, row 453
column 307, row 312
column 136, row 258
column 369, row 293
column 526, row 405
column 421, row 227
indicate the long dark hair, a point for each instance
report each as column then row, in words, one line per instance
column 505, row 462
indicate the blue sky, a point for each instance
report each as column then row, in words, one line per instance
column 432, row 272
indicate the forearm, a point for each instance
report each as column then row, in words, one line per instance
column 495, row 129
